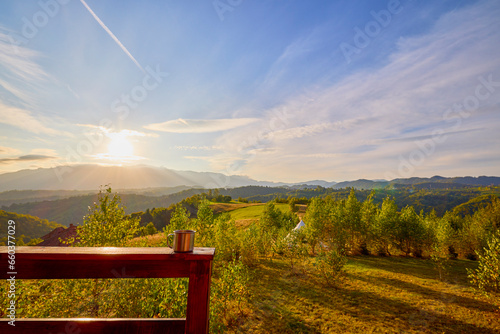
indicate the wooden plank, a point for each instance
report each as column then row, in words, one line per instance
column 94, row 326
column 27, row 268
column 99, row 262
column 139, row 251
column 197, row 314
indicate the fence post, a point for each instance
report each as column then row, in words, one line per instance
column 198, row 297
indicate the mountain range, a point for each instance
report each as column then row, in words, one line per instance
column 88, row 178
column 91, row 177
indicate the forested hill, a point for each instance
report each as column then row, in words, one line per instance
column 25, row 225
column 72, row 210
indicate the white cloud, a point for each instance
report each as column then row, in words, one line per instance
column 24, row 120
column 200, row 125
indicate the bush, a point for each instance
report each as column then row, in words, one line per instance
column 487, row 276
column 330, row 265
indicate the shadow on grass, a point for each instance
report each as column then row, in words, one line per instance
column 285, row 303
column 384, row 313
column 421, row 268
column 445, row 297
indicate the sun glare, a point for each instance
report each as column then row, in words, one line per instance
column 120, row 147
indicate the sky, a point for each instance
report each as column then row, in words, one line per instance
column 277, row 90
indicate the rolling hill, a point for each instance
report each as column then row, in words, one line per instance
column 27, row 225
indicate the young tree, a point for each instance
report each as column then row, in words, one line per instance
column 179, row 220
column 385, row 225
column 316, row 219
column 204, row 222
column 352, row 221
column 487, row 276
column 410, row 232
column 368, row 220
column 106, row 224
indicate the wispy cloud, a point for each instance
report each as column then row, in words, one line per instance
column 8, row 150
column 344, row 127
column 200, row 125
column 123, row 132
column 23, row 119
column 117, row 41
column 25, row 158
column 196, row 148
column 19, row 73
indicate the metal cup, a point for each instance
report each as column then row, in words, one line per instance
column 183, row 241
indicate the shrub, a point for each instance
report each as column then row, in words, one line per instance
column 487, row 276
column 330, row 265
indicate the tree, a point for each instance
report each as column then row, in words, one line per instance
column 151, row 229
column 106, row 224
column 204, row 221
column 316, row 219
column 368, row 218
column 385, row 226
column 439, row 233
column 487, row 275
column 179, row 220
column 410, row 232
column 293, row 201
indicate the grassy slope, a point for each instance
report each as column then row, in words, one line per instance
column 378, row 295
column 254, row 212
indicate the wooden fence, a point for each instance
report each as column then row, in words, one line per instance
column 112, row 262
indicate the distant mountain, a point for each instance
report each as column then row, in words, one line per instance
column 27, row 225
column 361, row 184
column 91, row 177
column 437, row 182
column 314, row 183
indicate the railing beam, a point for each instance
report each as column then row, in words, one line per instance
column 113, row 262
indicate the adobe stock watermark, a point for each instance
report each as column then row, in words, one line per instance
column 363, row 37
column 122, row 107
column 278, row 121
column 455, row 114
column 223, row 6
column 31, row 25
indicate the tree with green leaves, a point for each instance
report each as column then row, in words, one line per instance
column 410, row 232
column 385, row 227
column 487, row 275
column 204, row 221
column 106, row 224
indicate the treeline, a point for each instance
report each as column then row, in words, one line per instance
column 365, row 227
column 421, row 198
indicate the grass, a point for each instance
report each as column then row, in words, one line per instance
column 254, row 212
column 378, row 295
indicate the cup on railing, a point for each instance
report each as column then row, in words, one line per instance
column 183, row 241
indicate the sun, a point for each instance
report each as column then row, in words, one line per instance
column 119, row 148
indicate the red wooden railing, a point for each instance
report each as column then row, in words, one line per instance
column 110, row 262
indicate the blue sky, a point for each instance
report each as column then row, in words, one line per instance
column 275, row 90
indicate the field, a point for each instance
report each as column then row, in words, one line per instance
column 378, row 295
column 252, row 211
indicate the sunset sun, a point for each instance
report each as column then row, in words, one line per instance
column 120, row 147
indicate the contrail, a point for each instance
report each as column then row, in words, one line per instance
column 113, row 36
